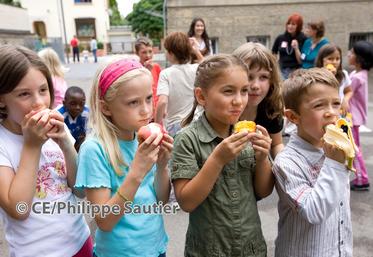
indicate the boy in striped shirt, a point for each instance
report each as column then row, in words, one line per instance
column 311, row 179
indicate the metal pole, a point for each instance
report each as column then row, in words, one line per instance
column 64, row 31
column 164, row 18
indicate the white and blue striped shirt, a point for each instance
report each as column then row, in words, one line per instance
column 314, row 208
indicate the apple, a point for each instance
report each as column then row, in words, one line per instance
column 152, row 128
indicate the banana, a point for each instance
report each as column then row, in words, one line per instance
column 340, row 135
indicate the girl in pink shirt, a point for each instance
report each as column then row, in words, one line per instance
column 50, row 58
column 361, row 57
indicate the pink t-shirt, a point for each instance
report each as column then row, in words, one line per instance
column 60, row 87
column 359, row 100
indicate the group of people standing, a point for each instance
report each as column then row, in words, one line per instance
column 218, row 175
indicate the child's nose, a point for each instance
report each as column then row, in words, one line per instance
column 37, row 103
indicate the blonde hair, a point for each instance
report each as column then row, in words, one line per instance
column 50, row 58
column 256, row 55
column 297, row 85
column 101, row 125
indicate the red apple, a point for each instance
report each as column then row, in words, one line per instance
column 145, row 131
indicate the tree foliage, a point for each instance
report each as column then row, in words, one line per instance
column 11, row 2
column 145, row 18
column 115, row 17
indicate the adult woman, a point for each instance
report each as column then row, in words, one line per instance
column 283, row 45
column 315, row 31
column 197, row 32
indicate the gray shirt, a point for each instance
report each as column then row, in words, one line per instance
column 314, row 208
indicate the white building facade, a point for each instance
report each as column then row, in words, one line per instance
column 83, row 18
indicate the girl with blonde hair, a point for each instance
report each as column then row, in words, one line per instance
column 50, row 58
column 116, row 171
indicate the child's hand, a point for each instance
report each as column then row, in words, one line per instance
column 35, row 126
column 147, row 154
column 165, row 152
column 148, row 64
column 261, row 143
column 334, row 153
column 231, row 147
column 57, row 132
column 345, row 106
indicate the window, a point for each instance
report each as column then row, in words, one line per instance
column 82, row 1
column 264, row 40
column 40, row 30
column 214, row 45
column 354, row 37
column 85, row 28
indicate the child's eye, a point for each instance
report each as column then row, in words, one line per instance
column 149, row 98
column 133, row 103
column 228, row 91
column 264, row 77
column 245, row 90
column 23, row 94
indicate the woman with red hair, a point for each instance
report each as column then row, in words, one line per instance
column 285, row 44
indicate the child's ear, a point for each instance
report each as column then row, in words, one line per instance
column 292, row 116
column 201, row 100
column 105, row 108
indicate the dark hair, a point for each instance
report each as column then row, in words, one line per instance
column 298, row 20
column 178, row 44
column 204, row 35
column 15, row 62
column 319, row 27
column 325, row 51
column 74, row 90
column 364, row 54
column 142, row 41
column 299, row 82
column 208, row 71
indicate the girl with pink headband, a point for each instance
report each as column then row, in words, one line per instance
column 119, row 174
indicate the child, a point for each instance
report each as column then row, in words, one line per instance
column 116, row 171
column 144, row 49
column 265, row 105
column 311, row 178
column 216, row 174
column 361, row 57
column 37, row 163
column 75, row 114
column 175, row 86
column 331, row 54
column 57, row 71
column 85, row 55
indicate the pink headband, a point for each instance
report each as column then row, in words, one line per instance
column 114, row 71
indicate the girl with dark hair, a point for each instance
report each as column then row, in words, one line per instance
column 330, row 57
column 361, row 57
column 37, row 163
column 285, row 43
column 198, row 33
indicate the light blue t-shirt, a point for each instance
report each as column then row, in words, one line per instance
column 309, row 55
column 135, row 234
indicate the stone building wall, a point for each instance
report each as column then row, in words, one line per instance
column 232, row 23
